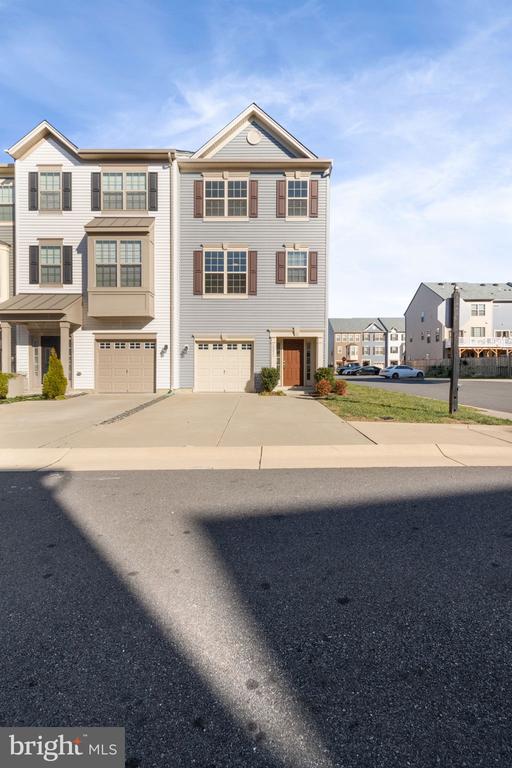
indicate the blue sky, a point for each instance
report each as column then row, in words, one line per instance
column 410, row 98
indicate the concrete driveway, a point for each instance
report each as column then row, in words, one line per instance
column 39, row 423
column 179, row 420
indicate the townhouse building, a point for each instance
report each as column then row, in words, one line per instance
column 154, row 269
column 485, row 325
column 366, row 340
column 7, row 243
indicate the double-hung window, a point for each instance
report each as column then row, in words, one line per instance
column 225, row 272
column 477, row 310
column 297, row 204
column 6, row 200
column 478, row 332
column 50, row 191
column 50, row 265
column 297, row 267
column 225, row 198
column 118, row 263
column 124, row 191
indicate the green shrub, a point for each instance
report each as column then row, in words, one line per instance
column 323, row 387
column 327, row 374
column 54, row 381
column 4, row 385
column 269, row 379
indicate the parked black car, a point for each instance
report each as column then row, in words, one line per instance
column 352, row 371
column 368, row 370
column 346, row 369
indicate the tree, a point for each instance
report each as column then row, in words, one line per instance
column 54, row 381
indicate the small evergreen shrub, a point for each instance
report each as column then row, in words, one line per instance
column 54, row 381
column 340, row 388
column 327, row 374
column 323, row 387
column 4, row 385
column 269, row 379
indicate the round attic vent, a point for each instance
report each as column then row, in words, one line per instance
column 253, row 136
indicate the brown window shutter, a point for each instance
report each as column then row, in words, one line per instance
column 253, row 273
column 67, row 264
column 313, row 267
column 198, row 199
column 198, row 273
column 313, row 199
column 33, row 179
column 66, row 191
column 281, row 267
column 33, row 261
column 253, row 199
column 280, row 199
column 153, row 191
column 95, row 191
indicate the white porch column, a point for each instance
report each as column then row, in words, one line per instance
column 64, row 348
column 6, row 347
column 319, row 352
column 273, row 352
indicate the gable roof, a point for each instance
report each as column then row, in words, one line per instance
column 477, row 291
column 398, row 323
column 354, row 324
column 360, row 324
column 253, row 112
column 41, row 131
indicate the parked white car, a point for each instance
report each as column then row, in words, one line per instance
column 402, row 372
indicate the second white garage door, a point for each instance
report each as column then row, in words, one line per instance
column 223, row 367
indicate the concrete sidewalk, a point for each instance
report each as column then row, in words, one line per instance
column 257, row 457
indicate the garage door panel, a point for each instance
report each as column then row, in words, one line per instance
column 223, row 367
column 125, row 366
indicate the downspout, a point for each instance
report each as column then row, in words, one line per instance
column 327, row 267
column 175, row 271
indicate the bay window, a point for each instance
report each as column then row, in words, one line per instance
column 118, row 263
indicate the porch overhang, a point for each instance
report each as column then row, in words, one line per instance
column 29, row 308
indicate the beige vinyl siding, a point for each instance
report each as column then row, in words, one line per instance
column 267, row 149
column 274, row 306
column 69, row 225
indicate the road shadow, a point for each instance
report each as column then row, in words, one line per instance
column 78, row 647
column 389, row 622
column 392, row 622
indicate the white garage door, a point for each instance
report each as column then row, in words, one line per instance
column 223, row 367
column 125, row 366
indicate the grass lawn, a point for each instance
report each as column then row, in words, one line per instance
column 20, row 398
column 372, row 404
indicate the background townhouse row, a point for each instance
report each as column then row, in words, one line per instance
column 485, row 325
column 151, row 269
column 367, row 340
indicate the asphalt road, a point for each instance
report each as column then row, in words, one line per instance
column 494, row 395
column 334, row 618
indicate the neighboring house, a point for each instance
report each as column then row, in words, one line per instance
column 151, row 269
column 485, row 321
column 6, row 243
column 366, row 340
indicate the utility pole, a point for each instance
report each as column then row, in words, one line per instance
column 454, row 378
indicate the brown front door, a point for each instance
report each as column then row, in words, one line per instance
column 293, row 363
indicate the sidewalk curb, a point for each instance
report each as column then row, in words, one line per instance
column 254, row 457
